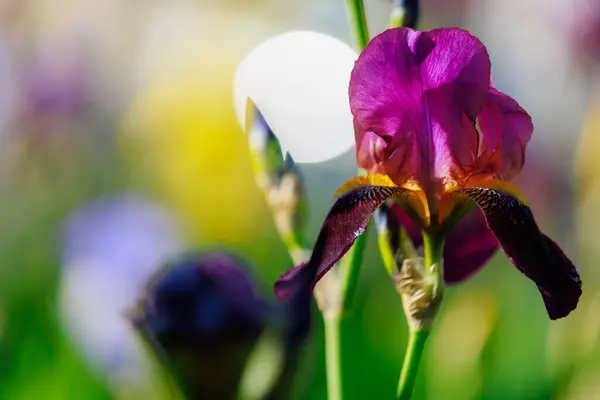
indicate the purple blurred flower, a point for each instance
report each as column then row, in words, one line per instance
column 57, row 83
column 585, row 28
column 110, row 248
column 205, row 314
column 437, row 137
column 203, row 298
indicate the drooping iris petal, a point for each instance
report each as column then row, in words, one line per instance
column 420, row 92
column 506, row 129
column 532, row 252
column 299, row 81
column 346, row 221
column 468, row 246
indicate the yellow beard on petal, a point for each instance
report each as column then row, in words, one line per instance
column 488, row 182
column 362, row 181
column 413, row 200
column 453, row 201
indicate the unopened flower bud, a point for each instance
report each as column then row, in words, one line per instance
column 203, row 312
column 420, row 290
column 278, row 177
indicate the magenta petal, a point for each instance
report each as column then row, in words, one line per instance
column 413, row 90
column 346, row 221
column 371, row 151
column 532, row 252
column 506, row 128
column 468, row 247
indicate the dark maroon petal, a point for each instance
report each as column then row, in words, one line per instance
column 346, row 221
column 412, row 229
column 469, row 245
column 532, row 252
column 289, row 284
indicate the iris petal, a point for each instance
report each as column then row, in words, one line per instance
column 506, row 129
column 346, row 221
column 420, row 93
column 468, row 247
column 533, row 253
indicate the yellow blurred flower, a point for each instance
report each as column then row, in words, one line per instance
column 588, row 161
column 587, row 172
column 181, row 136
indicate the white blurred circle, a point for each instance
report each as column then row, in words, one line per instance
column 299, row 81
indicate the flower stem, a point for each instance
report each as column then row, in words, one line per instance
column 348, row 271
column 433, row 248
column 349, row 267
column 333, row 357
column 414, row 351
column 358, row 22
column 404, row 13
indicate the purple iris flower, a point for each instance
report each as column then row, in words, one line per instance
column 204, row 312
column 202, row 309
column 438, row 138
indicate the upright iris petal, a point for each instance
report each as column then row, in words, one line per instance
column 506, row 129
column 439, row 139
column 420, row 92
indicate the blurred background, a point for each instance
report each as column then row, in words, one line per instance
column 119, row 148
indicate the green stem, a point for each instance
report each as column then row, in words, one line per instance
column 333, row 357
column 404, row 13
column 433, row 245
column 416, row 344
column 347, row 274
column 358, row 21
column 350, row 266
column 348, row 271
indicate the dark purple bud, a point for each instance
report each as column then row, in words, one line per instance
column 203, row 311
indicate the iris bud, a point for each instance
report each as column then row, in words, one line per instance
column 203, row 313
column 279, row 179
column 418, row 286
column 420, row 291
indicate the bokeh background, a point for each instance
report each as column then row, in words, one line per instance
column 119, row 148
